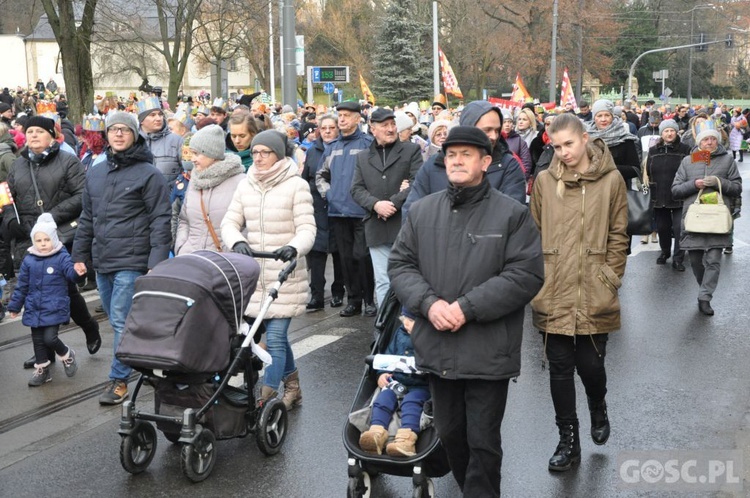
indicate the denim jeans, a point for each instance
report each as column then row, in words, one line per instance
column 116, row 291
column 412, row 403
column 379, row 255
column 280, row 350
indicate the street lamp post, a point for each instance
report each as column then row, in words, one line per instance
column 690, row 56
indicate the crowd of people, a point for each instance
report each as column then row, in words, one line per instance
column 399, row 198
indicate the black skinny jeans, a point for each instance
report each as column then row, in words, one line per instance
column 669, row 226
column 468, row 415
column 565, row 355
column 47, row 342
column 316, row 261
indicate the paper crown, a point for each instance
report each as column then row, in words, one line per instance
column 182, row 117
column 148, row 104
column 45, row 106
column 202, row 110
column 110, row 95
column 51, row 115
column 219, row 102
column 440, row 100
column 93, row 123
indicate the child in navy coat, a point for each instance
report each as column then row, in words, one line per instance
column 387, row 402
column 42, row 291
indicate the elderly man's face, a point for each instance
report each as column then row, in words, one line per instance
column 466, row 164
column 385, row 132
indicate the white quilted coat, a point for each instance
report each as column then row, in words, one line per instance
column 275, row 215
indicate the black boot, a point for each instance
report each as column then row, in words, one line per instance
column 568, row 449
column 599, row 421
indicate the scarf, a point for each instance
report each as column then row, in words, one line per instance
column 217, row 173
column 138, row 153
column 268, row 177
column 528, row 134
column 614, row 134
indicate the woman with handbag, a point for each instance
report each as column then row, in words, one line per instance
column 46, row 179
column 706, row 175
column 214, row 179
column 623, row 145
column 662, row 163
column 580, row 207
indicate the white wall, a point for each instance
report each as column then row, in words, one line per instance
column 14, row 62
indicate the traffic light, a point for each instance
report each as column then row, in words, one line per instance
column 729, row 42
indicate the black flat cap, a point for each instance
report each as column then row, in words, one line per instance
column 468, row 135
column 381, row 114
column 349, row 106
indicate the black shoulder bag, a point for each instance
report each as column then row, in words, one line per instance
column 66, row 232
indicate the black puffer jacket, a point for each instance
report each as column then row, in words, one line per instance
column 480, row 248
column 125, row 223
column 662, row 165
column 60, row 178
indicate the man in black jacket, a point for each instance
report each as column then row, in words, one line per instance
column 131, row 230
column 466, row 263
column 376, row 187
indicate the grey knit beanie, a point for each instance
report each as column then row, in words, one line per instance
column 123, row 118
column 669, row 123
column 602, row 105
column 46, row 224
column 209, row 141
column 272, row 139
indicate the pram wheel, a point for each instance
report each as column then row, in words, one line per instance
column 426, row 489
column 198, row 459
column 271, row 427
column 359, row 487
column 137, row 449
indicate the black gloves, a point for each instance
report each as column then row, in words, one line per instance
column 242, row 248
column 285, row 253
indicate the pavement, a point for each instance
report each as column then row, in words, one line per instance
column 678, row 388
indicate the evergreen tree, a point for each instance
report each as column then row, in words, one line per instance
column 403, row 69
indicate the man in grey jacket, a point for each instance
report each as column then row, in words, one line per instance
column 163, row 144
column 466, row 263
column 376, row 187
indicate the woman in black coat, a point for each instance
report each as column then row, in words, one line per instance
column 662, row 164
column 59, row 178
column 622, row 144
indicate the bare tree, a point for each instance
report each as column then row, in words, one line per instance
column 74, row 40
column 166, row 26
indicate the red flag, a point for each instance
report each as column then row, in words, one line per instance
column 449, row 78
column 566, row 91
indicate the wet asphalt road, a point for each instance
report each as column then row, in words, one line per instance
column 677, row 381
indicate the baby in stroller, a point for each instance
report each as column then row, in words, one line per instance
column 411, row 390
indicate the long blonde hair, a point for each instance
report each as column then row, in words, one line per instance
column 570, row 122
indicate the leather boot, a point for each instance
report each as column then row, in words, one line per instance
column 292, row 392
column 267, row 393
column 373, row 440
column 568, row 450
column 404, row 443
column 599, row 421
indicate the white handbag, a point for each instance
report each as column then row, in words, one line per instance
column 708, row 218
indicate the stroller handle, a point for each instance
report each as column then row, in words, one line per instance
column 284, row 274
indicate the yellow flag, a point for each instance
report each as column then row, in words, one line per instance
column 369, row 97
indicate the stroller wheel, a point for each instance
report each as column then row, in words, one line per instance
column 138, row 448
column 424, row 490
column 359, row 487
column 272, row 426
column 198, row 459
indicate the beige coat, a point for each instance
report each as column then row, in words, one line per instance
column 584, row 241
column 217, row 185
column 274, row 215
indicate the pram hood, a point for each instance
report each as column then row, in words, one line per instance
column 185, row 311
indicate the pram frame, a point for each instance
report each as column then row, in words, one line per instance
column 135, row 430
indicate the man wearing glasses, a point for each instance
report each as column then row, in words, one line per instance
column 132, row 230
